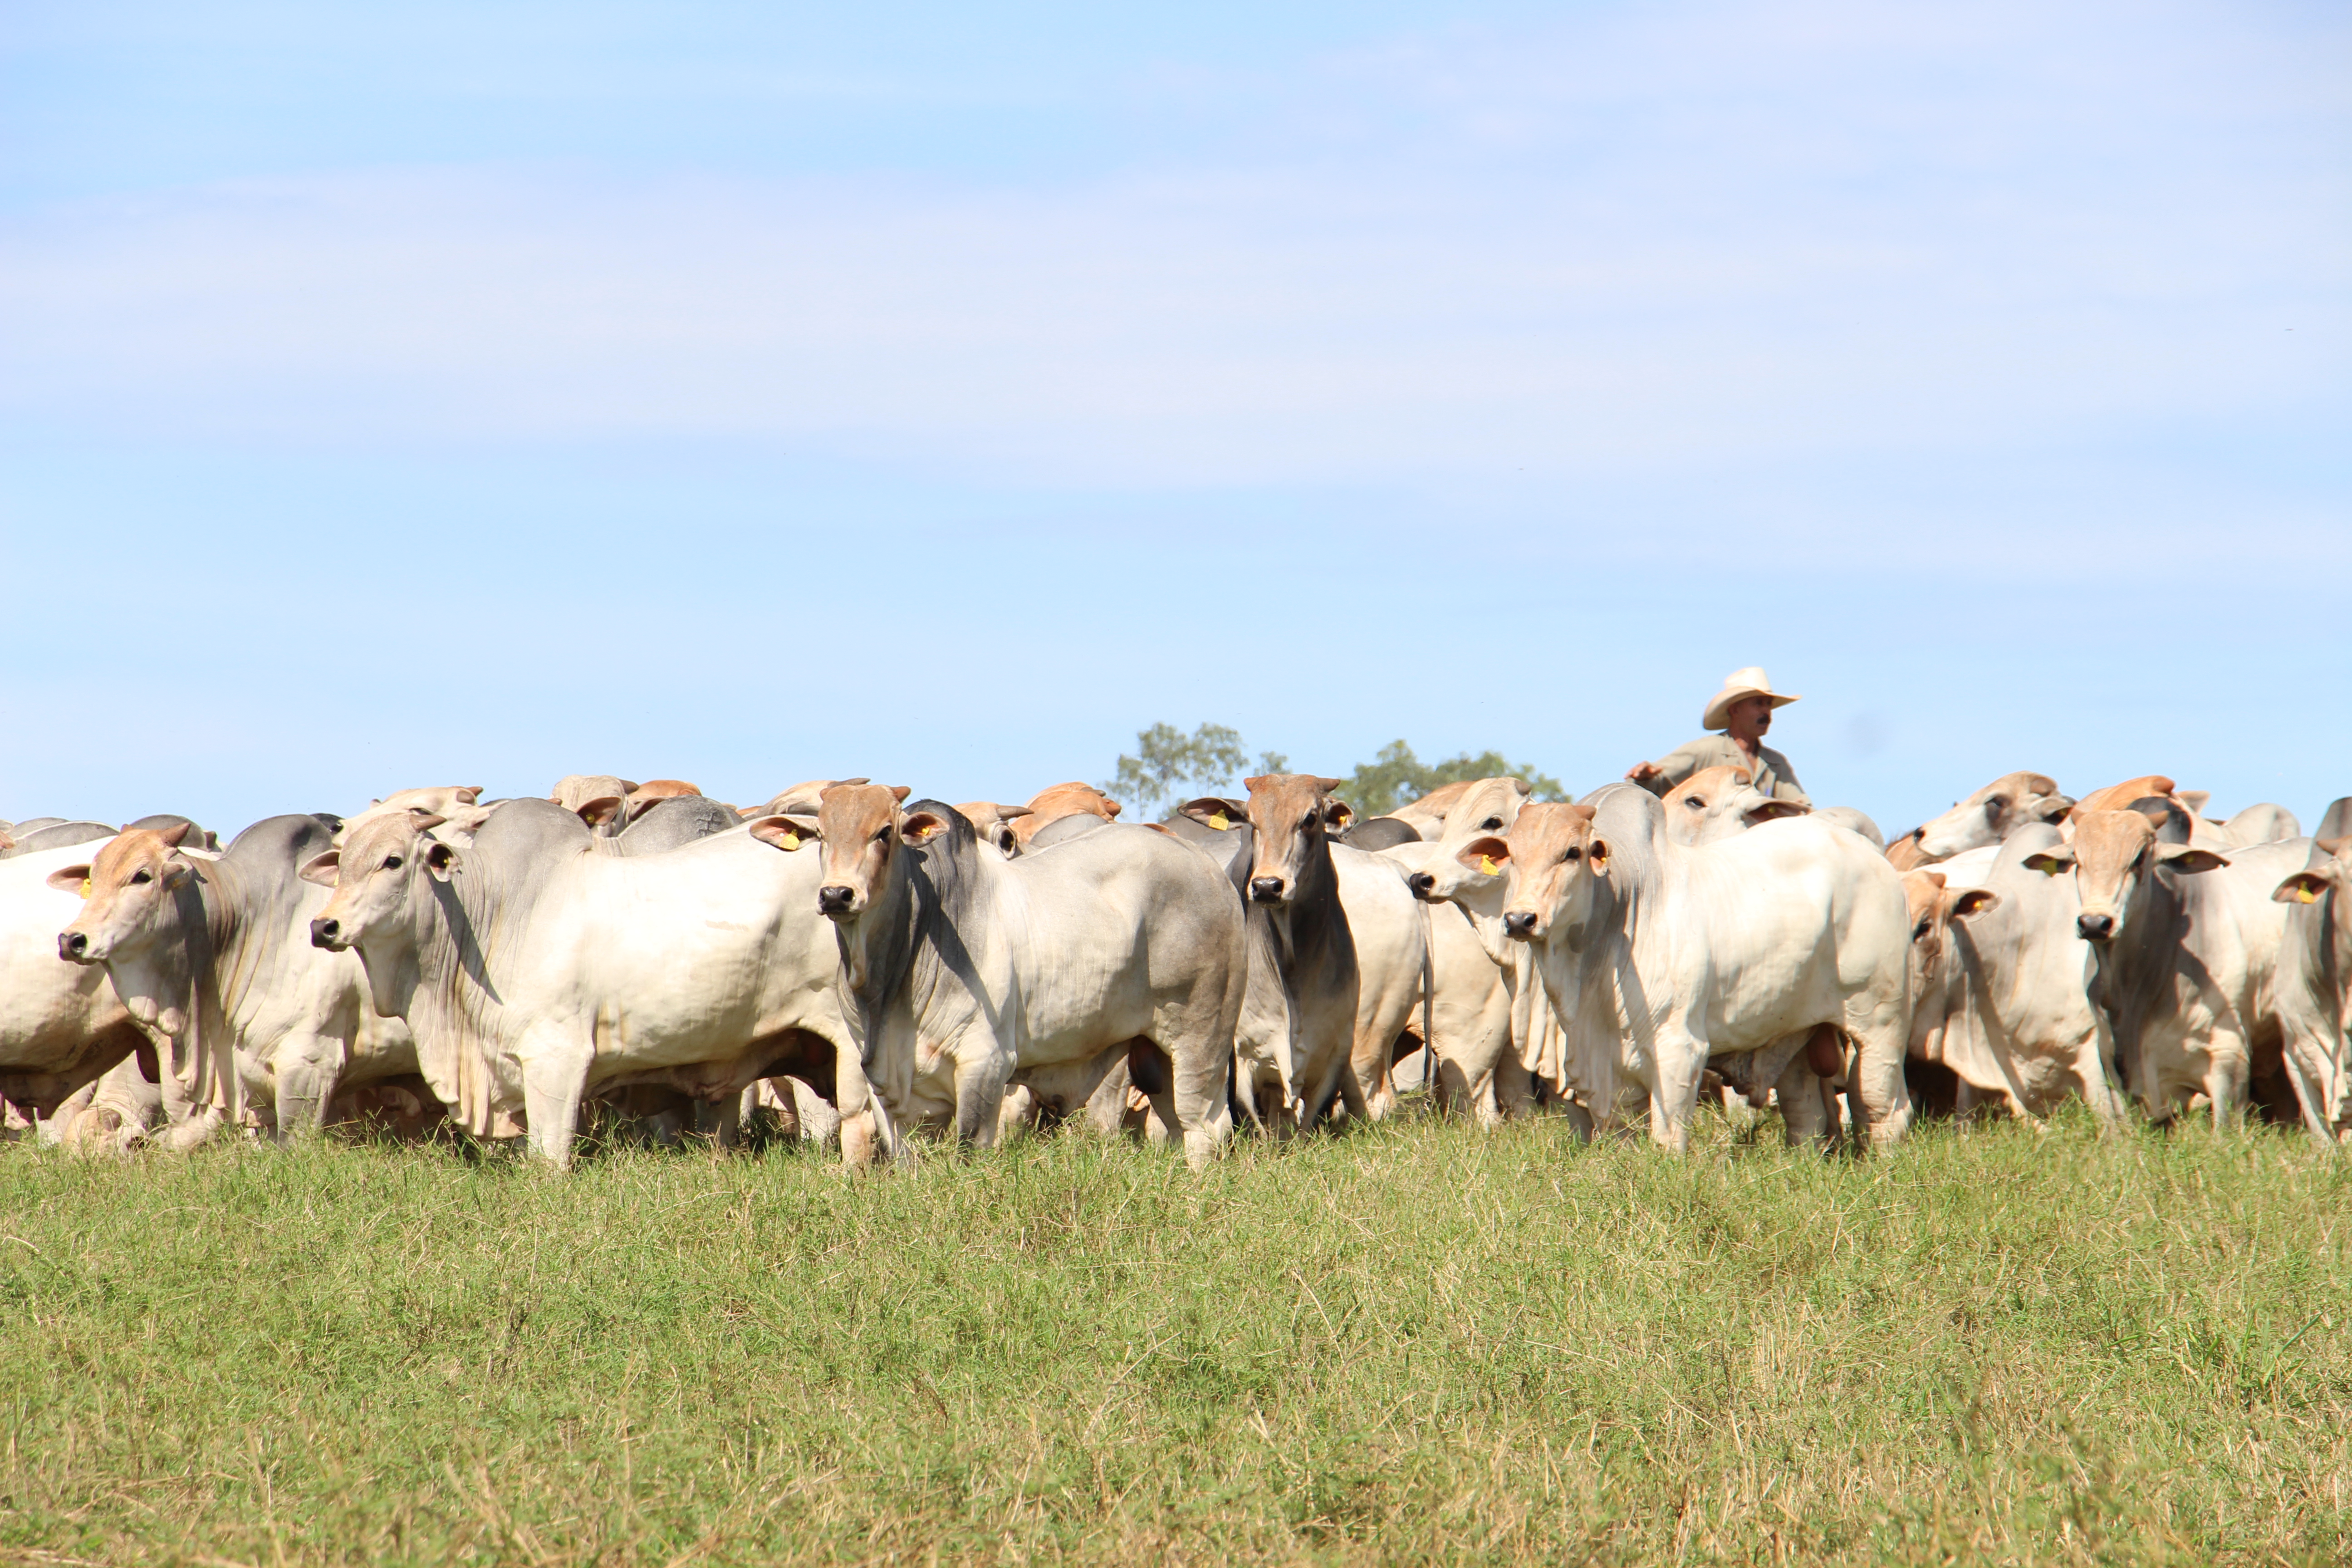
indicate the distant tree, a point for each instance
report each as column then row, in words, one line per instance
column 1172, row 767
column 1396, row 777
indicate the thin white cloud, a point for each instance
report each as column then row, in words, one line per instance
column 1731, row 232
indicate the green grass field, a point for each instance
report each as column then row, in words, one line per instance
column 1416, row 1343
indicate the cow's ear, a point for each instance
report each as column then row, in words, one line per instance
column 443, row 861
column 1251, row 785
column 899, row 794
column 1773, row 810
column 2049, row 862
column 2054, row 809
column 604, row 808
column 72, row 880
column 2186, row 858
column 324, row 869
column 469, row 795
column 1487, row 856
column 1210, row 812
column 1598, row 853
column 1974, row 901
column 2303, row 887
column 176, row 871
column 922, row 826
column 786, row 833
column 421, row 819
column 1009, row 812
column 1327, row 785
column 1337, row 815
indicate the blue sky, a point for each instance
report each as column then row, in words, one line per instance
column 745, row 393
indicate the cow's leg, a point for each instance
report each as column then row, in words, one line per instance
column 308, row 1067
column 980, row 1076
column 721, row 1121
column 2310, row 1092
column 1802, row 1117
column 1874, row 1079
column 2227, row 1076
column 1679, row 1061
column 555, row 1081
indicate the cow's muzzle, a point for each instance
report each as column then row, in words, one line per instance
column 1265, row 889
column 1421, row 883
column 2095, row 928
column 327, row 933
column 1519, row 925
column 73, row 946
column 836, row 900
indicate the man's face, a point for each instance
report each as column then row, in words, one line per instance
column 1751, row 716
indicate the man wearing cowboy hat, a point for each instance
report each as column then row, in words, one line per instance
column 1743, row 709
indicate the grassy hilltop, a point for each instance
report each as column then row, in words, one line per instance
column 1416, row 1343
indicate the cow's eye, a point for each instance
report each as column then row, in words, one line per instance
column 1920, row 930
column 1997, row 805
column 142, row 877
column 1694, row 803
column 392, row 862
column 1573, row 855
column 883, row 837
column 1491, row 824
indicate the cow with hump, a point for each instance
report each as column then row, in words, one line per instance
column 1788, row 937
column 536, row 968
column 214, row 955
column 2314, row 979
column 1339, row 956
column 62, row 1027
column 972, row 972
column 2183, row 952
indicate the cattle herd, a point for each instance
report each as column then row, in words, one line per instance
column 852, row 965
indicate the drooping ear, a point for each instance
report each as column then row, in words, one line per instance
column 2186, row 858
column 2054, row 809
column 1598, row 854
column 604, row 808
column 2304, row 888
column 176, row 871
column 2041, row 783
column 1773, row 810
column 443, row 861
column 1974, row 901
column 1210, row 812
column 1337, row 815
column 324, row 869
column 72, row 880
column 1487, row 856
column 2050, row 862
column 899, row 794
column 920, row 826
column 786, row 833
column 421, row 819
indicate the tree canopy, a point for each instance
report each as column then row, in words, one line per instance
column 1170, row 767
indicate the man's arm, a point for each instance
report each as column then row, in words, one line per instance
column 1670, row 770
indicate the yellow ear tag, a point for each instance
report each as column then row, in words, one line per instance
column 85, row 888
column 1487, row 864
column 2305, row 894
column 1221, row 822
column 2049, row 870
column 787, row 841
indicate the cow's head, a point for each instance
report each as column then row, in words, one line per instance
column 997, row 825
column 1058, row 801
column 1555, row 863
column 1716, row 803
column 2112, row 856
column 1992, row 813
column 385, row 878
column 1290, row 818
column 857, row 829
column 134, row 920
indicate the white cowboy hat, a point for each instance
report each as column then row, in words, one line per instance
column 1750, row 682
